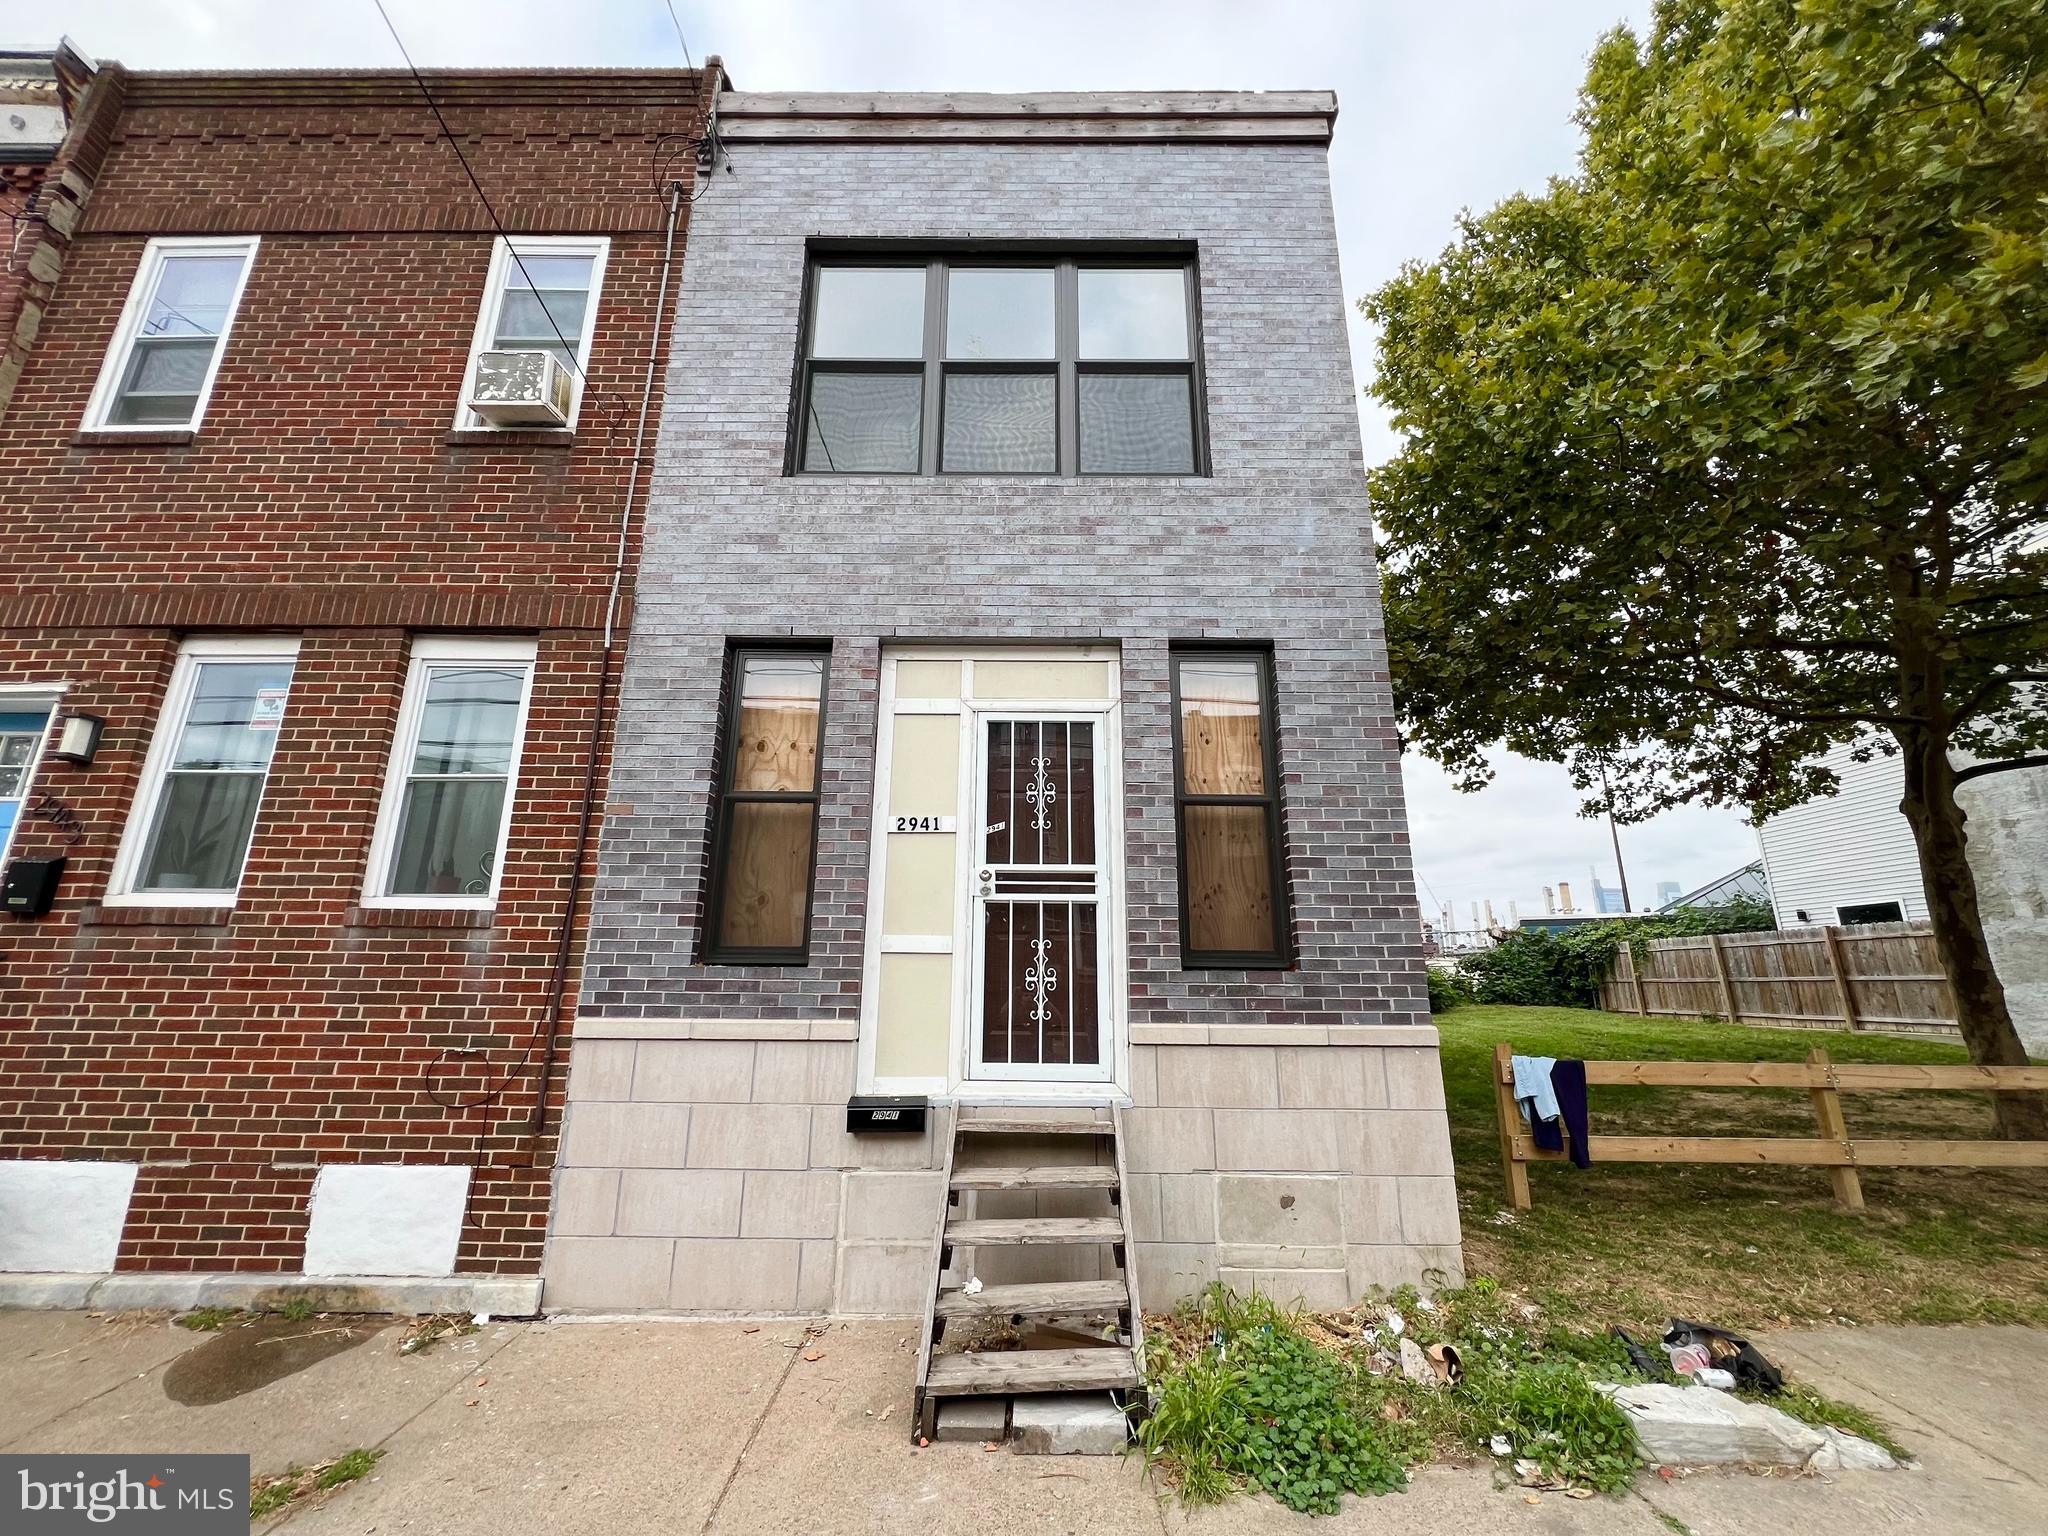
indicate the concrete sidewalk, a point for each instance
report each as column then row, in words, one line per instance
column 627, row 1427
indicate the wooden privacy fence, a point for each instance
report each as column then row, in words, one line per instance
column 1824, row 1081
column 1881, row 976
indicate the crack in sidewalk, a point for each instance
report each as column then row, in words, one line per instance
column 740, row 1461
column 291, row 1512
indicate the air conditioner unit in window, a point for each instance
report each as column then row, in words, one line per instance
column 521, row 389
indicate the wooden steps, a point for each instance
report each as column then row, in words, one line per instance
column 1110, row 1368
column 1034, row 1231
column 1055, row 1298
column 1019, row 1125
column 965, row 1232
column 1066, row 1176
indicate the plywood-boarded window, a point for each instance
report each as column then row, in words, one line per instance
column 767, row 833
column 1233, row 902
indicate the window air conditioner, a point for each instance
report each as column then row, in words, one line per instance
column 521, row 389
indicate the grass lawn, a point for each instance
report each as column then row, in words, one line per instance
column 1745, row 1247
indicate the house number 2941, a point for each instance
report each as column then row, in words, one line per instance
column 924, row 824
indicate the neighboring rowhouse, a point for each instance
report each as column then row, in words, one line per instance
column 319, row 491
column 1850, row 858
column 1007, row 723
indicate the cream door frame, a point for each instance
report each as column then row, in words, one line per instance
column 957, row 1085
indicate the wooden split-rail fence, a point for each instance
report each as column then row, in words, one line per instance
column 1881, row 977
column 1824, row 1081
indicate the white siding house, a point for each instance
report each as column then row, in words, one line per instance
column 1851, row 850
column 1834, row 860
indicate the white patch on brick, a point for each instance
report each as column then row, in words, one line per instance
column 63, row 1217
column 385, row 1219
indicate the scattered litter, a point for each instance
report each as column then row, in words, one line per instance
column 1713, row 1376
column 1703, row 1345
column 1396, row 1323
column 1415, row 1364
column 481, row 1318
column 1578, row 1493
column 1446, row 1363
column 991, row 1445
column 972, row 1287
column 751, row 1328
column 814, row 1354
column 1644, row 1362
column 1501, row 1445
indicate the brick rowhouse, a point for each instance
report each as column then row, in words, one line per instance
column 229, row 1053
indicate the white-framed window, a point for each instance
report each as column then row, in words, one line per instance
column 26, row 714
column 454, row 774
column 202, row 782
column 166, row 352
column 541, row 293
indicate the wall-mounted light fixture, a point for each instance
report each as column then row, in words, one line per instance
column 78, row 738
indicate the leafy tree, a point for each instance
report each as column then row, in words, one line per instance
column 1730, row 448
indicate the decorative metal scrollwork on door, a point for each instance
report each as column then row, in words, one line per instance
column 1041, row 793
column 1041, row 980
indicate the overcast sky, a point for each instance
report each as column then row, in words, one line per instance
column 1442, row 107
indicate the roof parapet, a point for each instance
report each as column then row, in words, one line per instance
column 1071, row 116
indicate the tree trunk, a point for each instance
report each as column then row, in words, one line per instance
column 1937, row 820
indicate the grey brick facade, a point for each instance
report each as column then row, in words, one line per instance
column 1286, row 1128
column 1275, row 546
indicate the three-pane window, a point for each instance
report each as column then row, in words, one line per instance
column 1233, row 899
column 203, row 782
column 167, row 349
column 448, row 801
column 541, row 296
column 1000, row 365
column 767, row 828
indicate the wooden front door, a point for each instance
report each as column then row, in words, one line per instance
column 1040, row 989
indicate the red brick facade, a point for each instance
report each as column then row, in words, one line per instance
column 233, row 1052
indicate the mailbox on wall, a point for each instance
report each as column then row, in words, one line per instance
column 878, row 1115
column 30, row 885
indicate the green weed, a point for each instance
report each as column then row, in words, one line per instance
column 207, row 1319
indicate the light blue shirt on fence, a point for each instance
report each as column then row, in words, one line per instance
column 1532, row 1086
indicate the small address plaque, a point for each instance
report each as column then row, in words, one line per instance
column 922, row 824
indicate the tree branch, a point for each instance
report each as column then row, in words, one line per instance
column 1979, row 770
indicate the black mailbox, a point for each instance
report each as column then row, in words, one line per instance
column 30, row 885
column 886, row 1115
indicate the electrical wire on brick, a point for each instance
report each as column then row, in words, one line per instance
column 611, row 409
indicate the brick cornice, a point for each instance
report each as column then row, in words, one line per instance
column 286, row 605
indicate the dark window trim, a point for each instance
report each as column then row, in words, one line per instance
column 725, row 798
column 1064, row 259
column 1282, row 955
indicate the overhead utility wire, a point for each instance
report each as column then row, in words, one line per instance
column 611, row 411
column 671, row 4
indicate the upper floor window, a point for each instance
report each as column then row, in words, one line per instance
column 1000, row 365
column 202, row 783
column 541, row 296
column 159, row 372
column 440, row 837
